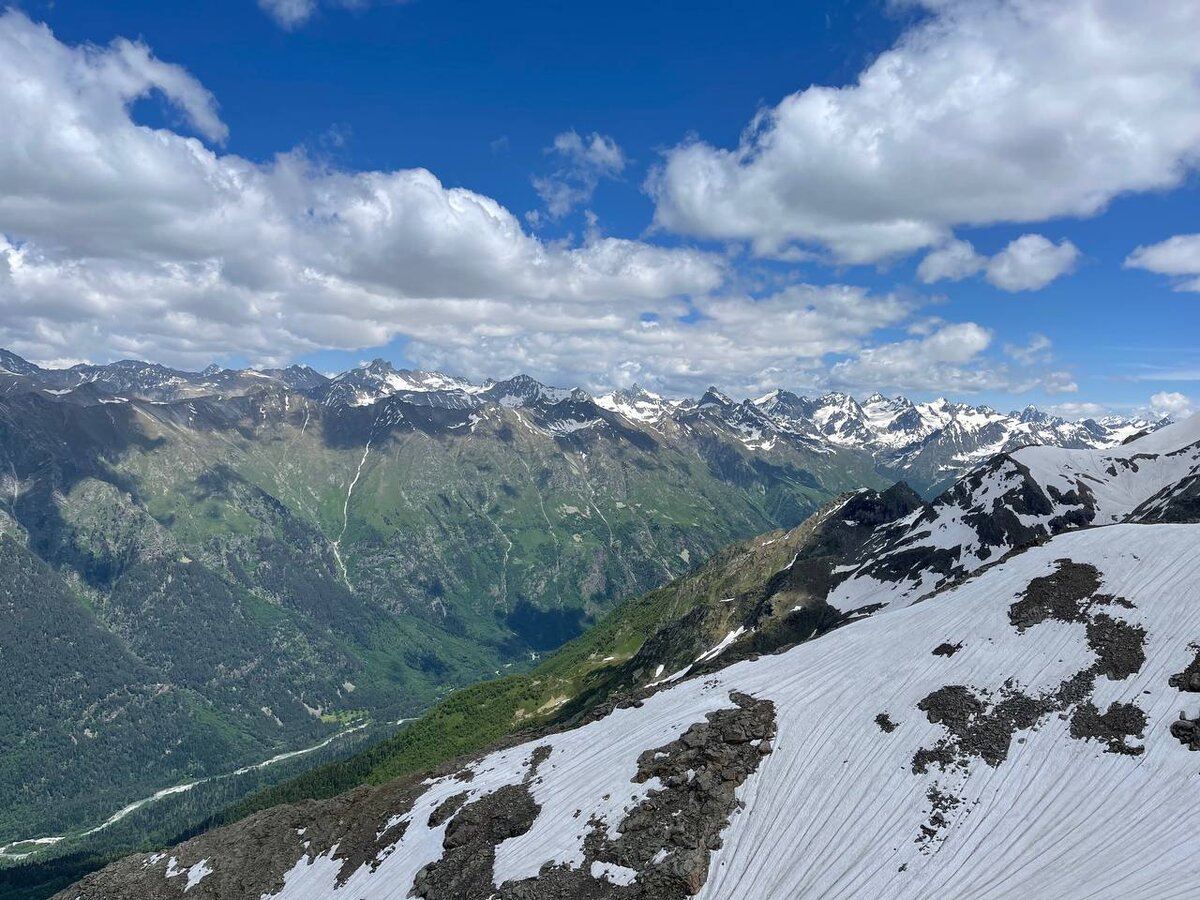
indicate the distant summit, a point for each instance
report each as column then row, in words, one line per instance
column 926, row 443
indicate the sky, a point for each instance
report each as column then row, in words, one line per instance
column 991, row 200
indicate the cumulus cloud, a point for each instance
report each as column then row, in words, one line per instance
column 953, row 261
column 1030, row 263
column 290, row 14
column 985, row 111
column 123, row 238
column 117, row 239
column 1172, row 404
column 928, row 363
column 1178, row 257
column 950, row 358
column 581, row 163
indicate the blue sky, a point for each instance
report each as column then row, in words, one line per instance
column 673, row 238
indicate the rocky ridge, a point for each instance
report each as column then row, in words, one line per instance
column 927, row 444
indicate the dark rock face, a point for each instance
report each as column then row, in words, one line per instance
column 662, row 845
column 947, row 649
column 885, row 723
column 1178, row 503
column 446, row 809
column 976, row 726
column 465, row 871
column 1185, row 730
column 1062, row 596
column 1189, row 678
column 981, row 723
column 1120, row 721
column 250, row 859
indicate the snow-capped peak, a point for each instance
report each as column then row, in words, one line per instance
column 637, row 403
column 715, row 397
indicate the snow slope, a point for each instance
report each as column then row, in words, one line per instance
column 839, row 808
column 1013, row 499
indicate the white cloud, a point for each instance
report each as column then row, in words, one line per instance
column 924, row 362
column 951, row 358
column 1030, row 263
column 1073, row 412
column 1036, row 351
column 117, row 239
column 127, row 239
column 953, row 261
column 744, row 344
column 985, row 111
column 1176, row 256
column 1171, row 403
column 290, row 14
column 581, row 164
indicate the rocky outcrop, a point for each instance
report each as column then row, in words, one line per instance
column 660, row 850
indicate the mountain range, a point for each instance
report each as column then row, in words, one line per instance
column 241, row 564
column 982, row 695
column 927, row 444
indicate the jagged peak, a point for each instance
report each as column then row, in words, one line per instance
column 714, row 396
column 16, row 365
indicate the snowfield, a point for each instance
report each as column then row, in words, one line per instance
column 1059, row 489
column 836, row 809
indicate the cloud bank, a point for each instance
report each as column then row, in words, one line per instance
column 120, row 239
column 984, row 112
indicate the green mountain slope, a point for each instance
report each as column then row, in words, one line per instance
column 281, row 569
column 772, row 586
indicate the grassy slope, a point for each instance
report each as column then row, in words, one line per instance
column 474, row 717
